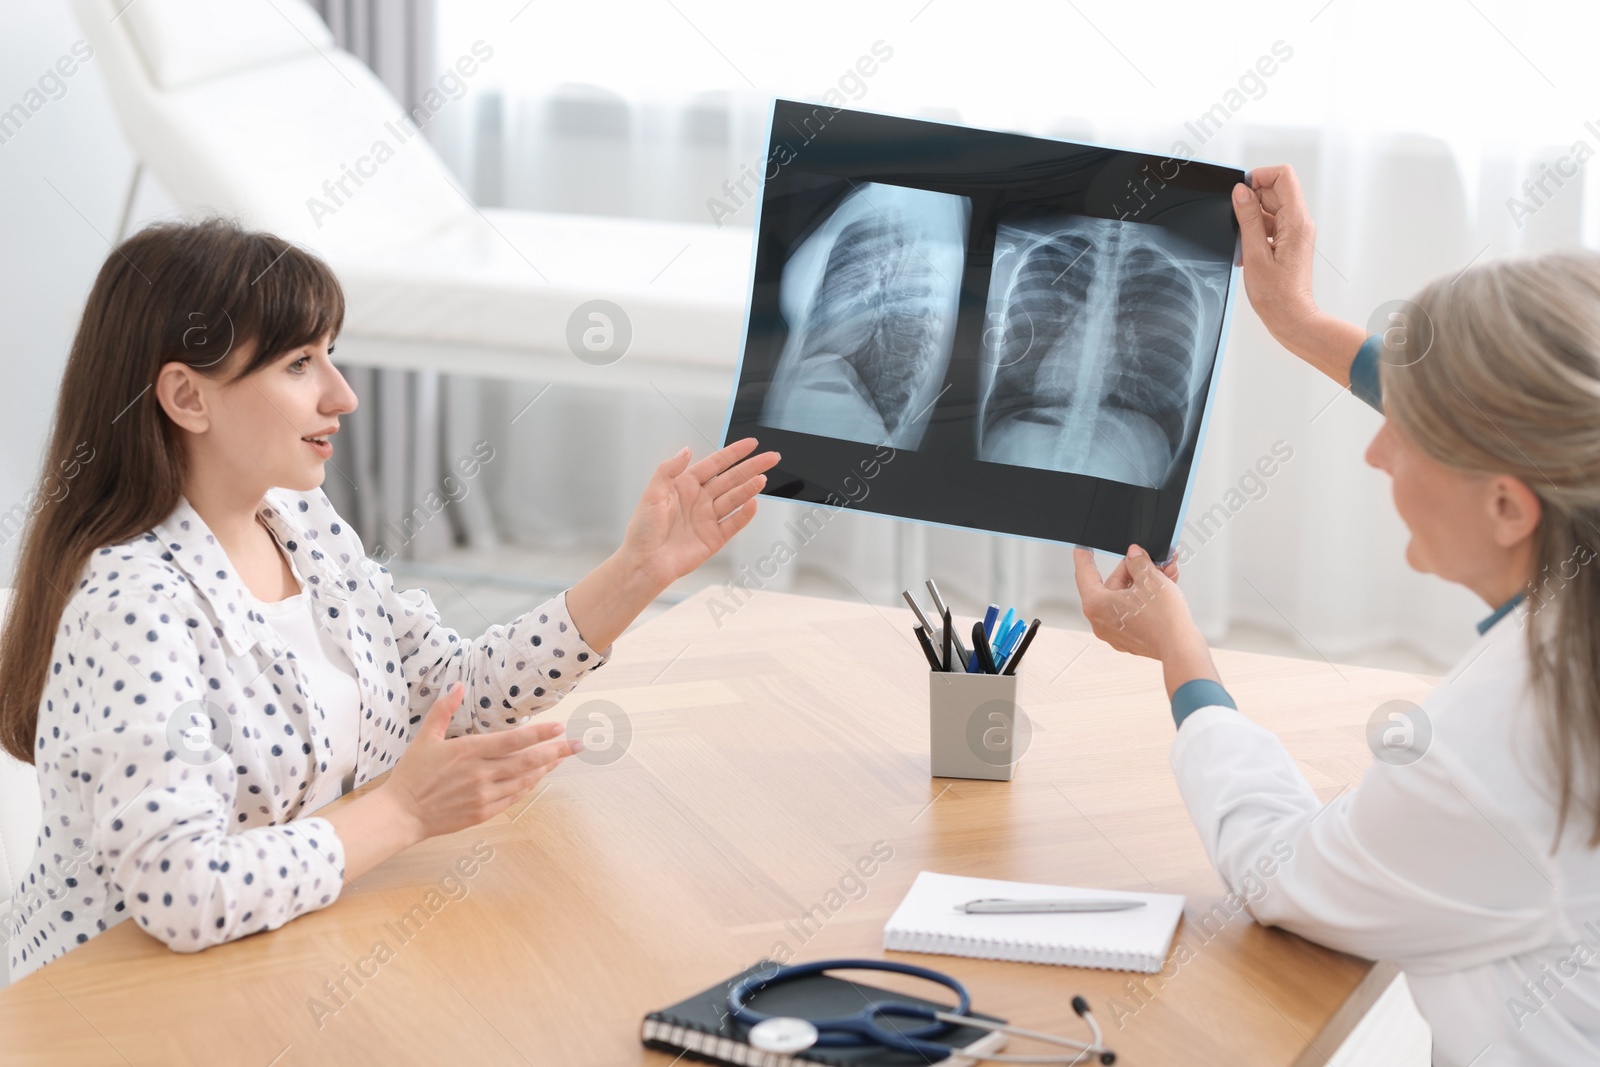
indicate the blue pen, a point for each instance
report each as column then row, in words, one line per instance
column 1013, row 635
column 1000, row 631
column 989, row 617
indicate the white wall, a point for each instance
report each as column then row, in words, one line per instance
column 63, row 178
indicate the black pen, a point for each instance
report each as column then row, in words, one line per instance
column 927, row 623
column 940, row 606
column 946, row 632
column 980, row 648
column 927, row 647
column 1022, row 646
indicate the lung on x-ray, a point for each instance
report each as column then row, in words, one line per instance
column 1097, row 359
column 983, row 330
column 872, row 297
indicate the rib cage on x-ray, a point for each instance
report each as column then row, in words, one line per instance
column 1099, row 341
column 873, row 319
column 876, row 293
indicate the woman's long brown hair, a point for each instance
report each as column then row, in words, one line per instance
column 209, row 294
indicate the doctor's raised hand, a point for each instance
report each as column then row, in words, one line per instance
column 1278, row 242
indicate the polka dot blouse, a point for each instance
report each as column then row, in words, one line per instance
column 177, row 738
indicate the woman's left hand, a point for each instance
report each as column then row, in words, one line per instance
column 689, row 512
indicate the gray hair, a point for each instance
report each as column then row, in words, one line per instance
column 1511, row 385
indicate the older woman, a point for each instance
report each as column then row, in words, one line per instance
column 1470, row 861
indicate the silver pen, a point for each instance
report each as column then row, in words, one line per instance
column 955, row 635
column 1002, row 906
column 933, row 631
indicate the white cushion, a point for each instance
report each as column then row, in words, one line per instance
column 260, row 139
column 266, row 142
column 187, row 41
column 682, row 285
column 417, row 260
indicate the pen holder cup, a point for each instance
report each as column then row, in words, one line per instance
column 975, row 728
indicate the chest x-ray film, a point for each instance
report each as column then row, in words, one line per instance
column 982, row 329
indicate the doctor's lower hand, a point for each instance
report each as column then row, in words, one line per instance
column 1138, row 608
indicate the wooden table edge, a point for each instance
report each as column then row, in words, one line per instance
column 1344, row 1021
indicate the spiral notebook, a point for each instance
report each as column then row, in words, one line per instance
column 927, row 920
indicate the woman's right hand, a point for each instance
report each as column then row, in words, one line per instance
column 1278, row 240
column 450, row 784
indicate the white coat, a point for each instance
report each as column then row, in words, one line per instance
column 1443, row 865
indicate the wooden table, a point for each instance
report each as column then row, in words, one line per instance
column 773, row 745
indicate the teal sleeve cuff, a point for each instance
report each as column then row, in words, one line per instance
column 1195, row 694
column 1364, row 372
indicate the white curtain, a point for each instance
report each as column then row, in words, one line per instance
column 1413, row 132
column 397, row 442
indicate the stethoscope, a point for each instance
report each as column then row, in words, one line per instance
column 784, row 1033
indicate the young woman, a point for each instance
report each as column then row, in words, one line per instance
column 198, row 652
column 1470, row 861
